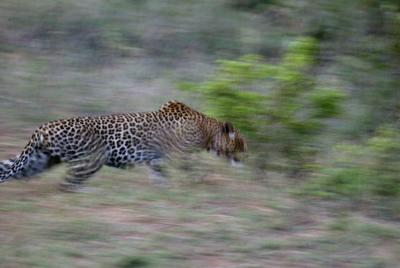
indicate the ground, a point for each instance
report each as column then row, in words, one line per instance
column 228, row 219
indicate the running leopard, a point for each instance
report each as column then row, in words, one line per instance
column 86, row 144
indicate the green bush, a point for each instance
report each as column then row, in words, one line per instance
column 279, row 106
column 363, row 170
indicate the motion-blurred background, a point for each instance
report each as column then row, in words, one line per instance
column 313, row 85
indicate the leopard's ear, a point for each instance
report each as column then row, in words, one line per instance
column 227, row 128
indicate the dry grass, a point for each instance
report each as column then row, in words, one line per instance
column 227, row 220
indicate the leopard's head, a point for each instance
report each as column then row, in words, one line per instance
column 229, row 143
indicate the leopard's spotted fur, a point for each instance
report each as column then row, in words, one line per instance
column 119, row 140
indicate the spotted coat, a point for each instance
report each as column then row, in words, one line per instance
column 120, row 140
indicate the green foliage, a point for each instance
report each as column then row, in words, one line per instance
column 326, row 101
column 279, row 106
column 364, row 170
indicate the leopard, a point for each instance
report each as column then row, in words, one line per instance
column 87, row 143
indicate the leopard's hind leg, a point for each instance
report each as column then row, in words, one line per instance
column 82, row 167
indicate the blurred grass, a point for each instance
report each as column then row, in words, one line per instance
column 225, row 220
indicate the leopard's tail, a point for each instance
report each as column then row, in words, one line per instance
column 31, row 161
